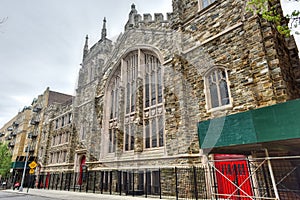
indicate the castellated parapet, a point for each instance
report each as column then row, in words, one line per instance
column 136, row 21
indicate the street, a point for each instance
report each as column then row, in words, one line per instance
column 20, row 196
column 41, row 194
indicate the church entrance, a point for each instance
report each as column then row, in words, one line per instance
column 232, row 176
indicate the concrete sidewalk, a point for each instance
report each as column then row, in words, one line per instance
column 68, row 195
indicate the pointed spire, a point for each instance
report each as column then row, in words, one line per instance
column 103, row 33
column 86, row 46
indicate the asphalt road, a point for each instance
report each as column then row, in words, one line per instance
column 36, row 194
column 21, row 196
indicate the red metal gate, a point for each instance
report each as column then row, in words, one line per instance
column 232, row 176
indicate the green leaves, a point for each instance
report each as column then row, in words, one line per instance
column 268, row 12
column 5, row 159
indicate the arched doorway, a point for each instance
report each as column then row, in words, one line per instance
column 81, row 166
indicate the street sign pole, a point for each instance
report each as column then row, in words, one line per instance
column 32, row 165
column 30, row 177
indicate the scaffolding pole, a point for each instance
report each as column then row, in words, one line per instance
column 271, row 174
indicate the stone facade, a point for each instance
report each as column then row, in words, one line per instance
column 56, row 150
column 259, row 66
column 39, row 106
column 139, row 99
column 190, row 43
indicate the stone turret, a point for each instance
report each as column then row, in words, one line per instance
column 131, row 19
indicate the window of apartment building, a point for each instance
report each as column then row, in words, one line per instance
column 51, row 158
column 139, row 68
column 64, row 156
column 62, row 121
column 53, row 140
column 56, row 140
column 204, row 3
column 57, row 157
column 67, row 137
column 56, row 124
column 217, row 89
column 59, row 139
column 69, row 118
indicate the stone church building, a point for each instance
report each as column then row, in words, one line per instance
column 140, row 98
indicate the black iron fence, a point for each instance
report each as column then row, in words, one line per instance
column 187, row 183
column 234, row 179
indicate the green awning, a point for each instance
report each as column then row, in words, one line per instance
column 18, row 165
column 272, row 123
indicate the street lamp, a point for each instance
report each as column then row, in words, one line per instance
column 25, row 165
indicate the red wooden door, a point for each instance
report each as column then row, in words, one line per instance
column 82, row 162
column 232, row 173
column 47, row 180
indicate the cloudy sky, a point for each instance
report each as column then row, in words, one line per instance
column 41, row 43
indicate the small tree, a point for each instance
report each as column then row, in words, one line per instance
column 269, row 13
column 5, row 159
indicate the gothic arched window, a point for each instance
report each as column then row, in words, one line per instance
column 153, row 108
column 138, row 82
column 130, row 76
column 114, row 110
column 204, row 3
column 217, row 89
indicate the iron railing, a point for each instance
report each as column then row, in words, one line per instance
column 225, row 180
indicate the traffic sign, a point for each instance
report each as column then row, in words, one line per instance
column 32, row 165
column 31, row 171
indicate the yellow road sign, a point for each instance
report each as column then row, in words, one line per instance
column 31, row 171
column 32, row 165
